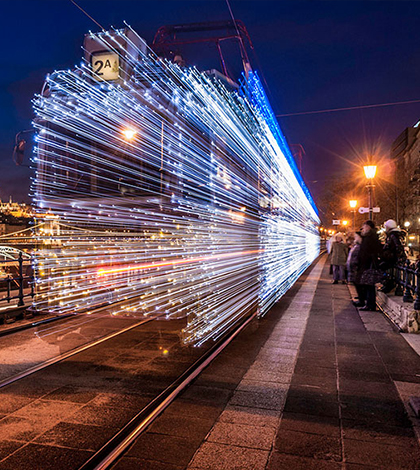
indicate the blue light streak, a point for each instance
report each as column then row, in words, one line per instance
column 166, row 193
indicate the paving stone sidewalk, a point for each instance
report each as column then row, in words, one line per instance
column 316, row 385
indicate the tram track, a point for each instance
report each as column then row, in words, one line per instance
column 157, row 377
column 54, row 360
column 123, row 387
column 36, row 324
column 64, row 316
column 74, row 351
column 115, row 447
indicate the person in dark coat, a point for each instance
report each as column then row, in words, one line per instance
column 339, row 252
column 370, row 249
column 392, row 253
column 352, row 267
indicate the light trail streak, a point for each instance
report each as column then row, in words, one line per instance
column 201, row 212
column 103, row 272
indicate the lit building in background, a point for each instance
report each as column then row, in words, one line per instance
column 15, row 209
column 405, row 152
column 15, row 217
column 173, row 194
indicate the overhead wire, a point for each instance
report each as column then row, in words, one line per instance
column 87, row 14
column 350, row 108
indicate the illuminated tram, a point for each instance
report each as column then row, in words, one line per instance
column 173, row 192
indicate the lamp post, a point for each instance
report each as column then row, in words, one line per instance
column 370, row 171
column 353, row 205
column 410, row 245
column 129, row 134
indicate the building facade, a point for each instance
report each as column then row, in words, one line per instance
column 405, row 153
column 15, row 209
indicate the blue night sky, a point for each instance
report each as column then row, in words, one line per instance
column 314, row 55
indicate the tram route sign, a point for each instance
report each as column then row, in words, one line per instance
column 106, row 66
column 365, row 210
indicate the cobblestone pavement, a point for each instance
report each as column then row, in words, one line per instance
column 58, row 417
column 313, row 385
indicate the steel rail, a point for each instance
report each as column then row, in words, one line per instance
column 72, row 352
column 35, row 324
column 28, row 326
column 117, row 445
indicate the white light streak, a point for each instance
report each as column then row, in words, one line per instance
column 196, row 213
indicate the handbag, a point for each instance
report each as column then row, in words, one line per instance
column 372, row 275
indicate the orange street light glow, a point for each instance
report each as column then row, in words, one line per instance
column 370, row 171
column 353, row 203
column 129, row 134
column 176, row 262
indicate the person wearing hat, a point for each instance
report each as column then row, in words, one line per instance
column 339, row 252
column 352, row 266
column 392, row 253
column 370, row 249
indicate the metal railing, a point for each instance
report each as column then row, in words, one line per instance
column 407, row 279
column 16, row 284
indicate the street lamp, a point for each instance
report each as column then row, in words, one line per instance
column 129, row 134
column 353, row 205
column 370, row 172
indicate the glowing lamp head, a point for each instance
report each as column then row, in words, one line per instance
column 345, row 222
column 129, row 134
column 370, row 171
column 353, row 203
column 407, row 224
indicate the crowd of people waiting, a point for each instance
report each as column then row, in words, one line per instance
column 363, row 259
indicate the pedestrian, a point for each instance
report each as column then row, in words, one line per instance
column 339, row 252
column 329, row 243
column 350, row 239
column 328, row 246
column 350, row 243
column 392, row 253
column 368, row 271
column 352, row 269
